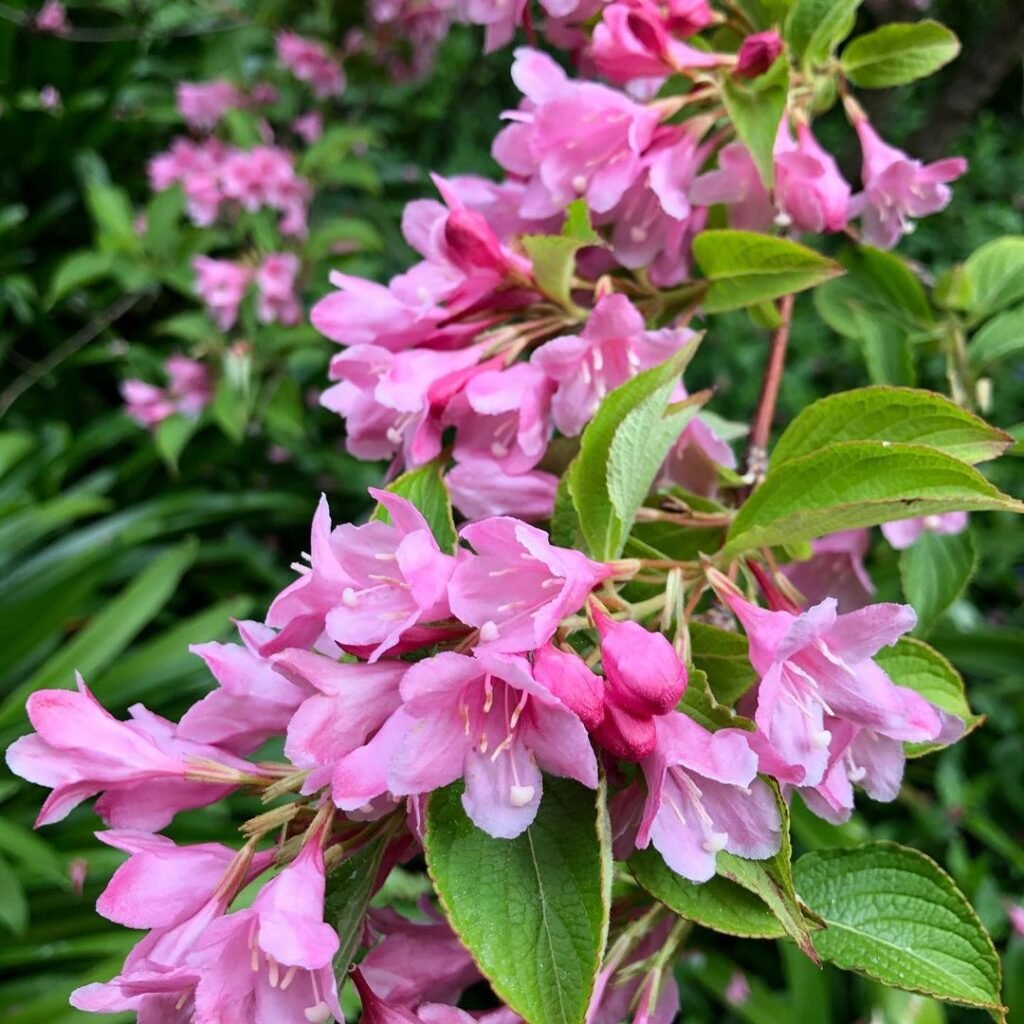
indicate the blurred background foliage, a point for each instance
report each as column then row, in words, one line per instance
column 113, row 563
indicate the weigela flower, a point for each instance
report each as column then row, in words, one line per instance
column 903, row 533
column 758, row 53
column 203, row 104
column 817, row 666
column 518, row 586
column 703, row 796
column 897, row 188
column 486, row 718
column 221, row 285
column 481, row 488
column 310, row 62
column 275, row 279
column 835, row 569
column 809, row 189
column 52, row 18
column 737, row 183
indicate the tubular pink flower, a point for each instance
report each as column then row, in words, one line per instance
column 809, row 188
column 203, row 104
column 902, row 533
column 275, row 279
column 836, row 569
column 221, row 285
column 310, row 62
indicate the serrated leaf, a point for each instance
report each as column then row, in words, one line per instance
column 913, row 664
column 699, row 703
column 903, row 415
column 996, row 273
column 631, row 423
column 724, row 658
column 898, row 53
column 744, row 268
column 893, row 915
column 554, row 264
column 78, row 270
column 350, row 887
column 1001, row 338
column 533, row 910
column 426, row 490
column 858, row 483
column 172, row 435
column 756, row 110
column 565, row 523
column 934, row 570
column 814, row 28
column 577, row 224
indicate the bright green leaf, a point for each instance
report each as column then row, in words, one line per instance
column 13, row 905
column 424, row 487
column 935, row 569
column 898, row 53
column 858, row 483
column 1001, row 338
column 996, row 272
column 533, row 910
column 814, row 28
column 902, row 415
column 723, row 656
column 892, row 914
column 744, row 268
column 554, row 265
column 78, row 270
column 172, row 435
column 756, row 109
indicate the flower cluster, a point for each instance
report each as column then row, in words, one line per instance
column 188, row 392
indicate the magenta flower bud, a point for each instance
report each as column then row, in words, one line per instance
column 626, row 736
column 757, row 54
column 569, row 679
column 472, row 243
column 643, row 672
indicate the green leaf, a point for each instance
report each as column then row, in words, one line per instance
column 858, row 483
column 554, row 265
column 898, row 53
column 533, row 910
column 33, row 855
column 172, row 435
column 744, row 268
column 719, row 904
column 935, row 569
column 1002, row 337
column 163, row 222
column 349, row 889
column 918, row 667
column 723, row 656
column 110, row 631
column 996, row 272
column 700, row 704
column 565, row 524
column 756, row 109
column 112, row 213
column 577, row 224
column 887, row 350
column 76, row 271
column 424, row 487
column 893, row 915
column 902, row 415
column 814, row 28
column 621, row 450
column 13, row 905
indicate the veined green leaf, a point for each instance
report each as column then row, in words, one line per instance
column 898, row 53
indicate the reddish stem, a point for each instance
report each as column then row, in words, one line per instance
column 760, row 430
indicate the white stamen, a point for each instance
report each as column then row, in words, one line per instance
column 715, row 841
column 349, row 596
column 272, row 970
column 932, row 522
column 484, row 744
column 520, row 796
column 385, row 556
column 638, row 234
column 510, row 606
column 498, row 450
column 598, row 360
column 783, row 220
column 579, row 184
column 319, row 1014
column 394, row 435
column 488, row 631
column 856, row 773
column 820, row 740
column 289, row 977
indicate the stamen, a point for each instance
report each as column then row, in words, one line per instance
column 319, row 1014
column 488, row 631
column 510, row 606
column 512, row 722
column 821, row 740
column 394, row 436
column 488, row 693
column 273, row 971
column 715, row 841
column 520, row 796
column 349, row 597
column 289, row 977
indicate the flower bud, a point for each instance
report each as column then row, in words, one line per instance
column 643, row 672
column 757, row 54
column 569, row 679
column 472, row 244
column 626, row 736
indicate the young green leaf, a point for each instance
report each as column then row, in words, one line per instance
column 814, row 28
column 756, row 109
column 1001, row 338
column 426, row 490
column 171, row 437
column 554, row 256
column 996, row 273
column 533, row 910
column 744, row 268
column 859, row 483
column 902, row 415
column 892, row 914
column 898, row 53
column 621, row 450
column 935, row 569
column 915, row 665
column 78, row 270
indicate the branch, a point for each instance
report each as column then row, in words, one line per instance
column 761, row 428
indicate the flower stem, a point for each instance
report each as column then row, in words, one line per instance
column 760, row 430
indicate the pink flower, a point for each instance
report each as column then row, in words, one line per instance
column 687, row 17
column 52, row 18
column 902, row 533
column 480, row 488
column 758, row 53
column 203, row 104
column 253, row 701
column 519, row 586
column 272, row 962
column 809, row 188
column 147, row 404
column 309, row 127
column 275, row 279
column 737, row 992
column 500, row 19
column 343, row 734
column 817, row 666
column 188, row 392
column 146, row 772
column 399, row 577
column 835, row 568
column 486, row 718
column 417, row 961
column 703, row 796
column 572, row 139
column 897, row 188
column 221, row 285
column 567, row 676
column 49, row 97
column 390, row 401
column 613, row 347
column 633, row 40
column 1016, row 915
column 736, row 182
column 696, row 459
column 310, row 62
